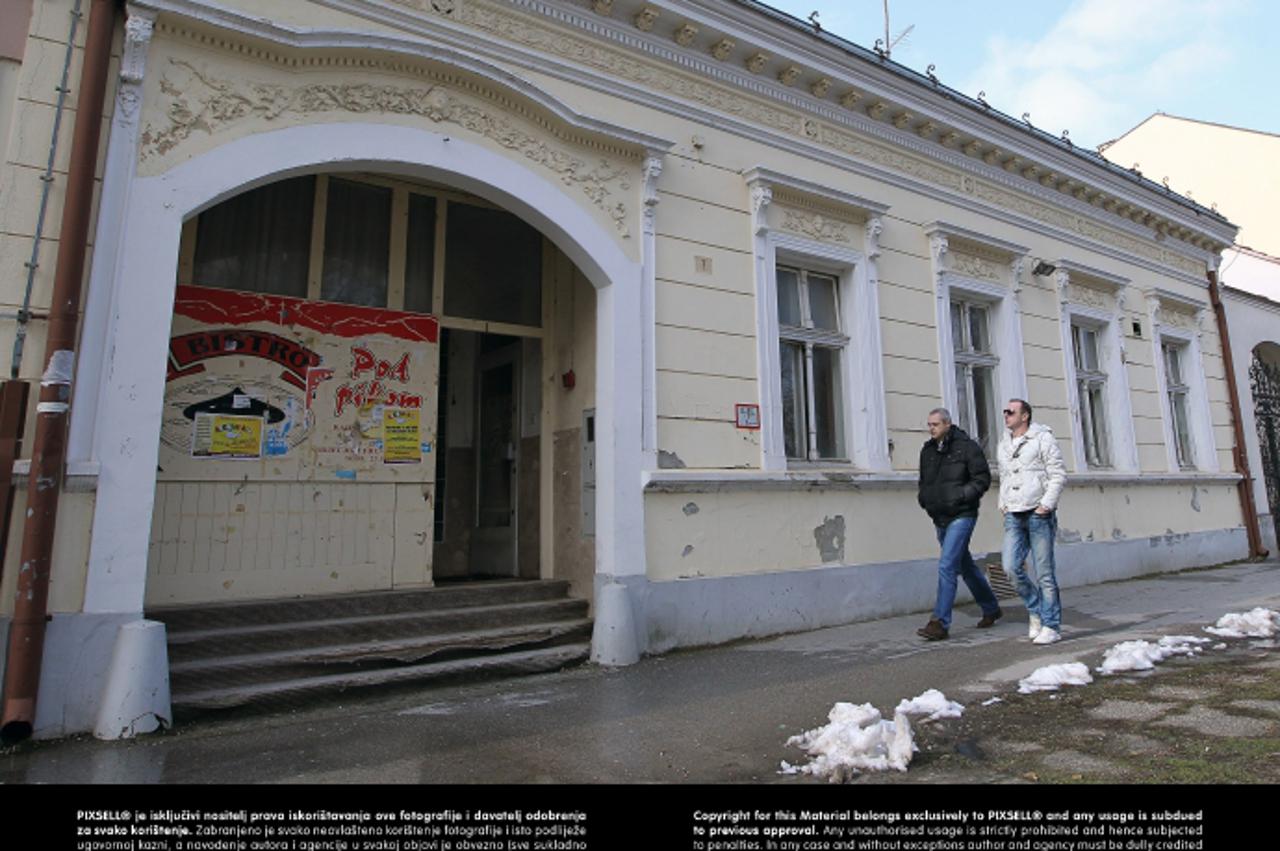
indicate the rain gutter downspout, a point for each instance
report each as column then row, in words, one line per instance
column 27, row 631
column 1247, row 505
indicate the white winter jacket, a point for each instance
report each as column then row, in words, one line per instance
column 1031, row 470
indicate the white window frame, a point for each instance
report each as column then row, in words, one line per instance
column 1004, row 320
column 866, row 433
column 1087, row 415
column 810, row 337
column 1121, row 435
column 1204, row 451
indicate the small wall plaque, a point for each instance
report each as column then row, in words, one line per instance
column 748, row 416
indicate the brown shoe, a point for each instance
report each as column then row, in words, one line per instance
column 932, row 631
column 990, row 620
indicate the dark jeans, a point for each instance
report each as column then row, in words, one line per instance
column 954, row 538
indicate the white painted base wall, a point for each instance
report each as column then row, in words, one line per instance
column 694, row 612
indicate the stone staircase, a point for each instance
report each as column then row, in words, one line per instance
column 286, row 651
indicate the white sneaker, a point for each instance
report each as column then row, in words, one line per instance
column 1048, row 635
column 1034, row 629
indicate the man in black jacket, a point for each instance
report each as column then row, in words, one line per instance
column 953, row 477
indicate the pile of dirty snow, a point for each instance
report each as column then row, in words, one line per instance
column 933, row 704
column 1051, row 677
column 1143, row 655
column 859, row 739
column 1259, row 623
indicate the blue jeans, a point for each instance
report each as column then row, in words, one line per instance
column 1027, row 532
column 954, row 538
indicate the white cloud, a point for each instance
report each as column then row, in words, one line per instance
column 1104, row 64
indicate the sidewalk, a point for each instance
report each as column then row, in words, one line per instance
column 724, row 714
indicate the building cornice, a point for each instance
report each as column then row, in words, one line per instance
column 903, row 116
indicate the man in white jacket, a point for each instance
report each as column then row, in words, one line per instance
column 1032, row 475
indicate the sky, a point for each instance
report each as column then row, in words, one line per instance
column 1096, row 68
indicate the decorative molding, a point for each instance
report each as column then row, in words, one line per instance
column 604, row 46
column 685, row 34
column 645, row 18
column 756, row 62
column 815, row 226
column 788, row 75
column 875, row 227
column 652, row 170
column 761, row 198
column 199, row 102
column 603, row 7
column 138, row 29
column 721, row 49
column 973, row 266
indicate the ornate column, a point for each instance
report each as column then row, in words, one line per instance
column 648, row 233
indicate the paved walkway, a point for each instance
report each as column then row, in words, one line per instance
column 724, row 714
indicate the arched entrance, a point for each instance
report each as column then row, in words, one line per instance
column 1264, row 381
column 135, row 319
column 377, row 347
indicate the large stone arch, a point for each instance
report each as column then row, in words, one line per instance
column 128, row 316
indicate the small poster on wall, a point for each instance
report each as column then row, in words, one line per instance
column 227, row 436
column 401, row 436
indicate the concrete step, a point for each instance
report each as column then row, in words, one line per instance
column 471, row 594
column 295, row 664
column 511, row 663
column 241, row 638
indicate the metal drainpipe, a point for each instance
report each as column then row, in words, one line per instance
column 26, row 634
column 1239, row 452
column 25, row 315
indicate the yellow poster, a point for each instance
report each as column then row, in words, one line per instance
column 401, row 436
column 227, row 436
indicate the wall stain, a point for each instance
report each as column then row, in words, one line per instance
column 1069, row 536
column 1195, row 498
column 669, row 460
column 690, row 509
column 830, row 538
column 688, row 548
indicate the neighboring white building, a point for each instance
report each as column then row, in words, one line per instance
column 1238, row 171
column 668, row 289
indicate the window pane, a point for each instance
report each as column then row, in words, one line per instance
column 979, row 335
column 793, row 401
column 419, row 267
column 1097, row 433
column 493, row 266
column 828, row 409
column 789, row 297
column 822, row 302
column 984, row 408
column 1089, row 339
column 1181, row 429
column 357, row 243
column 958, row 341
column 963, row 395
column 259, row 241
column 1173, row 365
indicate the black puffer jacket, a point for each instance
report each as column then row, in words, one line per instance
column 953, row 477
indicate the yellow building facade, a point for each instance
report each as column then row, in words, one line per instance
column 672, row 285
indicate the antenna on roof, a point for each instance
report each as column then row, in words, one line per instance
column 891, row 43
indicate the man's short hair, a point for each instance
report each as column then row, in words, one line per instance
column 1025, row 406
column 943, row 414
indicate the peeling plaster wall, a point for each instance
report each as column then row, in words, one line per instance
column 70, row 549
column 691, row 612
column 738, row 531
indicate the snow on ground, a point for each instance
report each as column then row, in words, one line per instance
column 859, row 739
column 1143, row 655
column 1258, row 623
column 993, row 701
column 933, row 704
column 1051, row 677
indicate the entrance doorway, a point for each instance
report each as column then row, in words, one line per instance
column 487, row 508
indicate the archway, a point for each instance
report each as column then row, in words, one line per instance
column 1264, row 382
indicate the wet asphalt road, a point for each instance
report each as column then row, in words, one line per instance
column 716, row 715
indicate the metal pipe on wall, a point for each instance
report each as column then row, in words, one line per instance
column 1239, row 453
column 44, row 485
